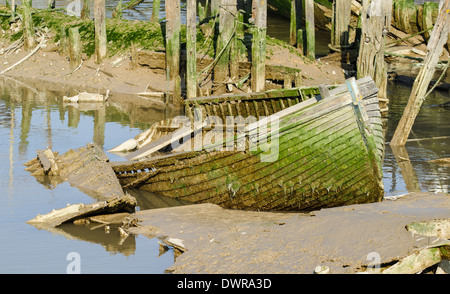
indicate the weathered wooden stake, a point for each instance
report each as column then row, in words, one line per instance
column 300, row 44
column 438, row 39
column 258, row 73
column 100, row 30
column 191, row 45
column 308, row 8
column 86, row 11
column 227, row 12
column 340, row 22
column 155, row 10
column 238, row 50
column 375, row 20
column 293, row 23
column 28, row 28
column 74, row 47
column 173, row 27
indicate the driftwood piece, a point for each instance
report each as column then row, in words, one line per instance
column 419, row 260
column 77, row 211
column 437, row 228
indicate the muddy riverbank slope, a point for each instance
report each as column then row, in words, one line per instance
column 346, row 239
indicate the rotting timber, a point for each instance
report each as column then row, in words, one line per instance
column 330, row 152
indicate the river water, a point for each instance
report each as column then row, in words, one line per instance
column 32, row 118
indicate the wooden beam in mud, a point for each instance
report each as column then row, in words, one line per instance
column 173, row 28
column 191, row 45
column 100, row 30
column 438, row 39
column 28, row 28
column 258, row 76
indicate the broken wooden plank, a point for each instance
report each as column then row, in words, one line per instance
column 165, row 141
column 73, row 212
column 419, row 260
column 86, row 168
column 436, row 228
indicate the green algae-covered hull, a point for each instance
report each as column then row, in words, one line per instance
column 328, row 153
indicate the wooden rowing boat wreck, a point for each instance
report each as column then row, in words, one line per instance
column 322, row 152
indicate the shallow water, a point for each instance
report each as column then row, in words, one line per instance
column 32, row 119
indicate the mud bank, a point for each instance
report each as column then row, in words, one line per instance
column 345, row 239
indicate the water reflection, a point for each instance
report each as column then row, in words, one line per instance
column 409, row 169
column 34, row 118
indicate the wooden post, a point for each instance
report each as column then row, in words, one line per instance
column 300, row 45
column 258, row 72
column 28, row 28
column 191, row 56
column 308, row 8
column 438, row 39
column 227, row 12
column 86, row 11
column 340, row 22
column 293, row 24
column 155, row 10
column 238, row 49
column 74, row 47
column 173, row 27
column 63, row 42
column 375, row 20
column 100, row 30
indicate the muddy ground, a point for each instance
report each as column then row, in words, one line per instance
column 346, row 239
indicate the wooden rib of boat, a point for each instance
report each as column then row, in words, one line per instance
column 329, row 153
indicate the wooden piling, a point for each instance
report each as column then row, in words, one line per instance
column 340, row 23
column 227, row 12
column 438, row 39
column 28, row 28
column 308, row 8
column 238, row 49
column 74, row 47
column 100, row 30
column 300, row 37
column 375, row 20
column 293, row 23
column 155, row 10
column 191, row 56
column 173, row 28
column 258, row 74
